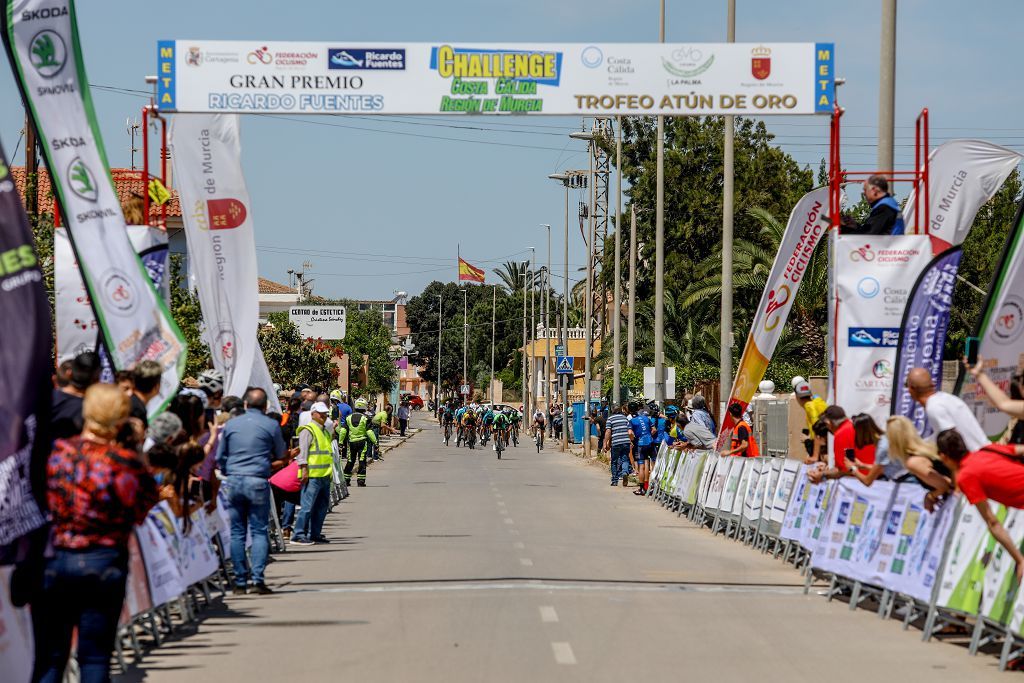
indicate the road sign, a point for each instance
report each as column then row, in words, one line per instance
column 464, row 390
column 563, row 365
column 559, row 349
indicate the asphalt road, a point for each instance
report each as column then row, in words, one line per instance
column 454, row 566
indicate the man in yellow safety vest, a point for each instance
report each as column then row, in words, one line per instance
column 358, row 430
column 316, row 463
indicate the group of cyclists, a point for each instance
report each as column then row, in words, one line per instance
column 475, row 422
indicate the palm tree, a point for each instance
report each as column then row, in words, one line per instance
column 511, row 274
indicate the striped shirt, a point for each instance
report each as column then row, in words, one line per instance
column 618, row 425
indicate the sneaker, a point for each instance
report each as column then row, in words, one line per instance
column 262, row 589
column 615, row 483
column 321, row 539
column 360, row 483
column 287, row 533
column 238, row 590
column 299, row 540
column 639, row 491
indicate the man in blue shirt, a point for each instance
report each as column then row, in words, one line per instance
column 247, row 446
column 641, row 429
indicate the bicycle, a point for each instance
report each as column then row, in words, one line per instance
column 471, row 438
column 447, row 433
column 515, row 434
column 538, row 438
column 499, row 443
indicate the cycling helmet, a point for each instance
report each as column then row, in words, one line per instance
column 336, row 395
column 211, row 381
column 652, row 406
column 360, row 404
column 633, row 407
column 671, row 411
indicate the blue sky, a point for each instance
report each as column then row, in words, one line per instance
column 404, row 201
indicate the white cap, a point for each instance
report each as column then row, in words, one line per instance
column 802, row 390
column 319, row 407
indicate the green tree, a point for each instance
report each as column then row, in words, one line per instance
column 366, row 334
column 293, row 360
column 186, row 312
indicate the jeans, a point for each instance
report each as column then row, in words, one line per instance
column 316, row 499
column 83, row 588
column 249, row 509
column 402, row 424
column 620, row 462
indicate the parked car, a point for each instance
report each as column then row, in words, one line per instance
column 416, row 402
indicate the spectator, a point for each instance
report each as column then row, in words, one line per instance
column 866, row 433
column 165, row 428
column 62, row 377
column 919, row 458
column 992, row 472
column 66, row 412
column 701, row 415
column 845, row 439
column 247, row 446
column 643, row 445
column 211, row 382
column 742, row 434
column 600, row 421
column 1012, row 405
column 146, row 384
column 695, row 434
column 819, row 452
column 316, row 463
column 885, row 217
column 813, row 406
column 944, row 410
column 617, row 443
column 403, row 417
column 123, row 379
column 97, row 492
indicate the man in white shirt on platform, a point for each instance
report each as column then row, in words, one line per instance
column 945, row 411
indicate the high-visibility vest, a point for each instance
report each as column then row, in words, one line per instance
column 752, row 451
column 357, row 429
column 320, row 458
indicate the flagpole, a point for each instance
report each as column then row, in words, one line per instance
column 440, row 312
column 465, row 336
column 494, row 304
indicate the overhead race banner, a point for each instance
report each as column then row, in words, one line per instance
column 873, row 278
column 923, row 333
column 1001, row 332
column 42, row 42
column 495, row 78
column 963, row 175
column 807, row 223
column 77, row 327
column 207, row 156
column 24, row 368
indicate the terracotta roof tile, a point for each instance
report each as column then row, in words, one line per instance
column 126, row 182
column 271, row 287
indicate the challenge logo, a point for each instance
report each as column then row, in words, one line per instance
column 544, row 68
column 868, row 287
column 358, row 59
column 48, row 53
column 761, row 62
column 225, row 214
column 118, row 292
column 82, row 181
column 1009, row 321
column 687, row 62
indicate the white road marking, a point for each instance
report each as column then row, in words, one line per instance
column 501, row 503
column 548, row 614
column 508, row 520
column 526, row 562
column 563, row 653
column 518, row 545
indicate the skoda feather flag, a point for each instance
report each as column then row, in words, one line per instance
column 469, row 273
column 41, row 37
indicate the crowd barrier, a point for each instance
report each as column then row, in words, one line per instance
column 877, row 545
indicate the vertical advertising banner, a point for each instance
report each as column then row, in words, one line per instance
column 963, row 175
column 873, row 278
column 41, row 38
column 1001, row 332
column 24, row 366
column 923, row 336
column 807, row 223
column 207, row 156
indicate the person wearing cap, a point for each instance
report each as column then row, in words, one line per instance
column 814, row 406
column 316, row 461
column 356, row 428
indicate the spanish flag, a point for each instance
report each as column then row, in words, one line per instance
column 469, row 273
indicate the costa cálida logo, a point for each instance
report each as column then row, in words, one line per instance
column 225, row 214
column 761, row 62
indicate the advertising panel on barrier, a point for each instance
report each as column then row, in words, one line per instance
column 796, row 505
column 734, row 468
column 698, row 464
column 913, row 542
column 226, row 76
column 1000, row 584
column 707, row 478
column 792, row 471
column 970, row 550
column 716, row 488
column 159, row 541
column 740, row 494
column 136, row 596
column 753, row 499
column 854, row 530
column 874, row 276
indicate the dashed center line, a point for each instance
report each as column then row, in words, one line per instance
column 508, row 520
column 526, row 562
column 563, row 653
column 548, row 614
column 518, row 545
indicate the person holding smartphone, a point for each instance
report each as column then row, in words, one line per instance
column 847, row 453
column 1012, row 404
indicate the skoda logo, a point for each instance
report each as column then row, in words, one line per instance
column 868, row 287
column 48, row 53
column 592, row 57
column 82, row 181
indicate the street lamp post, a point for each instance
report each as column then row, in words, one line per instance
column 659, row 252
column 440, row 321
column 533, row 331
column 465, row 336
column 494, row 307
column 547, row 327
column 526, row 381
column 617, row 297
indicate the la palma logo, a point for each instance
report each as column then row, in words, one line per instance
column 48, row 53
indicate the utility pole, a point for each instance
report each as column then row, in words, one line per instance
column 533, row 330
column 526, row 381
column 494, row 307
column 31, row 168
column 725, row 336
column 631, row 304
column 547, row 328
column 589, row 308
column 440, row 324
column 887, row 86
column 659, row 252
column 565, row 327
column 617, row 297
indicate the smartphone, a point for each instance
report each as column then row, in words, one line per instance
column 850, row 456
column 971, row 350
column 294, row 442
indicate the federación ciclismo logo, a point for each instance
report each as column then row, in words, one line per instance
column 82, row 181
column 48, row 53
